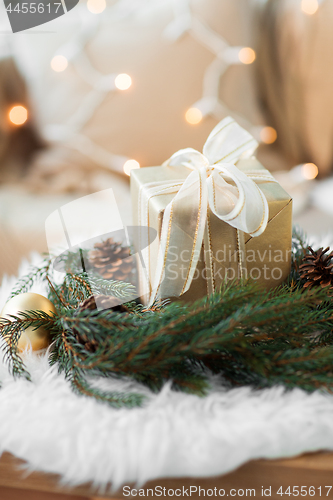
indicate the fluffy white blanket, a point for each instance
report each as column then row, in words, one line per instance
column 174, row 434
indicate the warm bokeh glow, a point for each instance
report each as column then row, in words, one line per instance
column 310, row 7
column 96, row 6
column 268, row 135
column 18, row 115
column 59, row 63
column 130, row 165
column 247, row 55
column 123, row 81
column 310, row 171
column 193, row 116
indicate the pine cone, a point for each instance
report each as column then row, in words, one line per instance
column 93, row 302
column 111, row 260
column 317, row 269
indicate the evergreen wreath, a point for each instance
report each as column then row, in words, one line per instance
column 247, row 335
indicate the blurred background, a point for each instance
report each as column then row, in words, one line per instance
column 119, row 84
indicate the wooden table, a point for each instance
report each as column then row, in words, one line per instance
column 314, row 470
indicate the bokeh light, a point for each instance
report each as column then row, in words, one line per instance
column 130, row 165
column 59, row 63
column 18, row 115
column 310, row 7
column 123, row 81
column 193, row 116
column 310, row 171
column 96, row 6
column 247, row 55
column 268, row 135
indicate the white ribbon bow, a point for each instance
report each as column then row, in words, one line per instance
column 215, row 182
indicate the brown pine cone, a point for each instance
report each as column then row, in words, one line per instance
column 111, row 260
column 93, row 302
column 317, row 269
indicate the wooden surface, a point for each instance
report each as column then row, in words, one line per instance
column 314, row 470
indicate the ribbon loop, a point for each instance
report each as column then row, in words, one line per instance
column 248, row 207
column 188, row 157
column 216, row 183
column 228, row 142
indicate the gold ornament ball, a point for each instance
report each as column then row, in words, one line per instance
column 39, row 338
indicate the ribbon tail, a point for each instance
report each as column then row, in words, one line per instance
column 209, row 265
column 162, row 254
column 144, row 246
column 242, row 271
column 180, row 245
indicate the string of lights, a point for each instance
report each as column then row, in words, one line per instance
column 185, row 22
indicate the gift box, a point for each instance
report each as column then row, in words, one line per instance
column 218, row 216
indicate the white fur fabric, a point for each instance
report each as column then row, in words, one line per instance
column 174, row 434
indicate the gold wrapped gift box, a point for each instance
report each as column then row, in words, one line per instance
column 266, row 258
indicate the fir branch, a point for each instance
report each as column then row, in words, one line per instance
column 81, row 286
column 11, row 330
column 34, row 274
column 299, row 246
column 73, row 262
column 99, row 285
column 78, row 285
column 114, row 399
column 158, row 347
column 55, row 294
column 244, row 333
column 75, row 375
column 11, row 333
